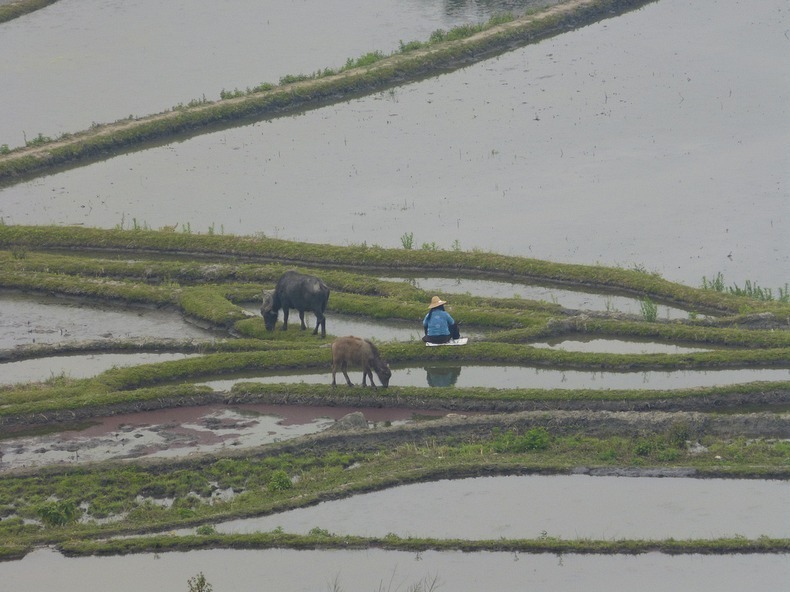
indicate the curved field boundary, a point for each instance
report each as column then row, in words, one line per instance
column 246, row 249
column 107, row 140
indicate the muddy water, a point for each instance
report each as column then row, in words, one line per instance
column 363, row 571
column 566, row 506
column 442, row 374
column 649, row 140
column 178, row 432
column 104, row 73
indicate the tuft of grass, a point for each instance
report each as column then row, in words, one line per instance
column 649, row 309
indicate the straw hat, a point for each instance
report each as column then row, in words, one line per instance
column 436, row 301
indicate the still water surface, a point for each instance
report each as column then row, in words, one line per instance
column 109, row 60
column 365, row 571
column 566, row 506
column 493, row 376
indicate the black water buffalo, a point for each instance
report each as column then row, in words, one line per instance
column 299, row 291
column 359, row 352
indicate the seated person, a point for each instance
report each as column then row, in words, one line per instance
column 439, row 326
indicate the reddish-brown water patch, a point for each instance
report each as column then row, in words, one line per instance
column 180, row 431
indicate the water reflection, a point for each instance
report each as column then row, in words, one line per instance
column 442, row 375
column 511, row 377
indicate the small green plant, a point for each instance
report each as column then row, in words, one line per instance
column 407, row 240
column 750, row 289
column 432, row 246
column 649, row 309
column 510, row 441
column 716, row 284
column 206, row 530
column 59, row 513
column 280, row 481
column 4, row 149
column 319, row 532
column 38, row 140
column 199, row 583
column 410, row 46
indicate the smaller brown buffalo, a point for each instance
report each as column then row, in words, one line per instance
column 359, row 352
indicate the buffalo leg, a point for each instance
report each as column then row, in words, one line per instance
column 301, row 318
column 285, row 318
column 320, row 321
column 344, row 368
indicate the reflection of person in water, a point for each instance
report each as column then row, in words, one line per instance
column 442, row 375
column 439, row 326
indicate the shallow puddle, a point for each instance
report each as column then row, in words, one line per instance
column 443, row 374
column 180, row 431
column 371, row 570
column 565, row 506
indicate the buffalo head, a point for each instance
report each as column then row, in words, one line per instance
column 269, row 315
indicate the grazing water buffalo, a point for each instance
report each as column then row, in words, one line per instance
column 359, row 352
column 299, row 291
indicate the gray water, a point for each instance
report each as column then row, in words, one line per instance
column 76, row 63
column 27, row 319
column 525, row 377
column 80, row 366
column 366, row 571
column 655, row 140
column 565, row 506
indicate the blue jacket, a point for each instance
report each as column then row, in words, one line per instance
column 438, row 322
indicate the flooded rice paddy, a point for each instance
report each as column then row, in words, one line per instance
column 76, row 366
column 571, row 299
column 27, row 319
column 363, row 571
column 649, row 140
column 103, row 75
column 564, row 506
